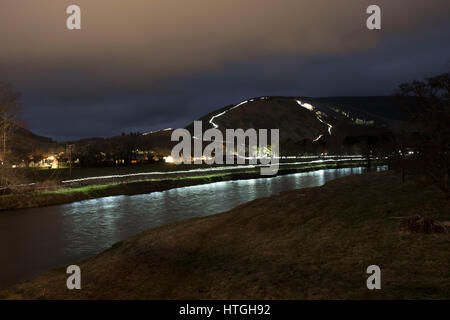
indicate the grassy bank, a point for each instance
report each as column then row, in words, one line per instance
column 306, row 244
column 44, row 174
column 68, row 195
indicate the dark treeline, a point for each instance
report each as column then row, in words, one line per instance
column 424, row 149
column 120, row 150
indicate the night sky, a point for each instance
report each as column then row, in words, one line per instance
column 142, row 65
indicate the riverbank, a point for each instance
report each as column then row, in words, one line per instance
column 166, row 182
column 306, row 244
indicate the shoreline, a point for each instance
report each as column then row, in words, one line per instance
column 66, row 196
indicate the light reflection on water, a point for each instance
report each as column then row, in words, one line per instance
column 35, row 240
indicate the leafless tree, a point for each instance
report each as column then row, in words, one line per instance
column 9, row 117
column 430, row 117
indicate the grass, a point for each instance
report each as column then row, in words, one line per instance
column 306, row 244
column 84, row 189
column 92, row 189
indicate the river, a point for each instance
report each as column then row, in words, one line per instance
column 35, row 240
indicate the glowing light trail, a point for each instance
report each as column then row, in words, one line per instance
column 304, row 105
column 234, row 107
column 222, row 113
column 151, row 132
column 311, row 108
column 213, row 169
column 318, row 138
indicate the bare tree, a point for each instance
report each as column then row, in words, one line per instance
column 430, row 117
column 9, row 117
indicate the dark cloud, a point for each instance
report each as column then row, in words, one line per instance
column 144, row 65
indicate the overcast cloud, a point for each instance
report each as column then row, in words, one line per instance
column 143, row 65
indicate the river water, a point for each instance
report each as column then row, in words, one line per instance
column 35, row 240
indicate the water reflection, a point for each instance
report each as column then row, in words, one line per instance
column 34, row 240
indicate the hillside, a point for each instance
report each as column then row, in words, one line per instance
column 296, row 122
column 312, row 124
column 306, row 124
column 304, row 244
column 23, row 142
column 382, row 109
